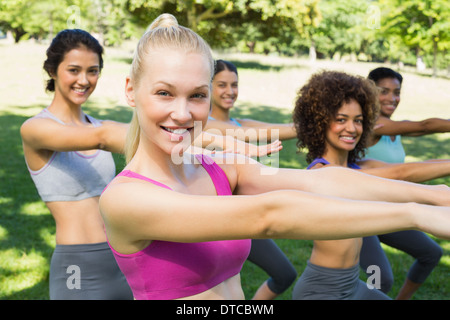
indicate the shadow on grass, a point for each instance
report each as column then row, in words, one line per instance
column 427, row 147
column 256, row 65
column 250, row 64
column 24, row 231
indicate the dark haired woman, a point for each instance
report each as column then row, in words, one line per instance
column 225, row 91
column 385, row 144
column 334, row 116
column 68, row 155
column 264, row 252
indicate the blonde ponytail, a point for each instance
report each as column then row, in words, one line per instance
column 166, row 20
column 132, row 138
column 163, row 33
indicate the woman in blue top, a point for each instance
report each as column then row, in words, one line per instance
column 386, row 142
column 334, row 114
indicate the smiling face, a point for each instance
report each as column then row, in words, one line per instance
column 346, row 128
column 389, row 95
column 172, row 95
column 77, row 76
column 225, row 89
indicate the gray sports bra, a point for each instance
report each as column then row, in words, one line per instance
column 71, row 176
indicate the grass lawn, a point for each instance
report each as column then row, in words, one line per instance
column 268, row 88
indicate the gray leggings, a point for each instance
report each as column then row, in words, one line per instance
column 320, row 283
column 415, row 243
column 86, row 272
column 268, row 256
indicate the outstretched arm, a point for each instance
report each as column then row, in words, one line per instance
column 412, row 171
column 257, row 131
column 47, row 134
column 411, row 128
column 336, row 181
column 213, row 142
column 136, row 211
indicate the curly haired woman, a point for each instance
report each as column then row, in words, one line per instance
column 334, row 116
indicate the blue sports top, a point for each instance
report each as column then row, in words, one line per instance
column 231, row 119
column 72, row 175
column 387, row 150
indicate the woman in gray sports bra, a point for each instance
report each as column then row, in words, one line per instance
column 68, row 155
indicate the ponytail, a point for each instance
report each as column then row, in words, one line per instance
column 132, row 138
column 165, row 20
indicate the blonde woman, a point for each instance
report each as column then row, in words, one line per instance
column 68, row 154
column 180, row 230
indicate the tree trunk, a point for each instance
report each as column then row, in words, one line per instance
column 18, row 33
column 251, row 46
column 312, row 52
column 435, row 52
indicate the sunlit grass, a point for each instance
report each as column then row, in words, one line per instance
column 21, row 270
column 34, row 208
column 3, row 233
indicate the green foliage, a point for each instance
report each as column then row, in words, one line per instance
column 109, row 19
column 31, row 18
column 340, row 31
column 373, row 30
column 421, row 25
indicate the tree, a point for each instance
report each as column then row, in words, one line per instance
column 422, row 25
column 23, row 17
column 109, row 19
column 194, row 12
column 223, row 23
column 341, row 30
column 281, row 26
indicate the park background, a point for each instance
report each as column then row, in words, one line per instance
column 277, row 46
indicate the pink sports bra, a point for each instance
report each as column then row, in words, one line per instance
column 171, row 270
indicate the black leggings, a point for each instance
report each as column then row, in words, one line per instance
column 415, row 243
column 268, row 256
